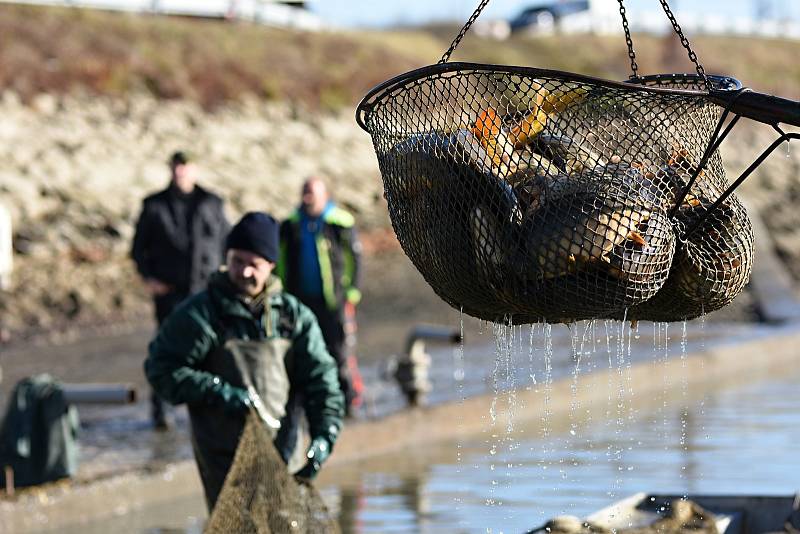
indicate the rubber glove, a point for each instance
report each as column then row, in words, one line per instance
column 234, row 400
column 318, row 452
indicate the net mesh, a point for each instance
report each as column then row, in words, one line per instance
column 524, row 195
column 261, row 496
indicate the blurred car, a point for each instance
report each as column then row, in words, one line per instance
column 547, row 15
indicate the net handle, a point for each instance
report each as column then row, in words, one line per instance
column 678, row 31
column 463, row 32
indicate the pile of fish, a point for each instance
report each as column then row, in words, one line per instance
column 538, row 216
column 682, row 517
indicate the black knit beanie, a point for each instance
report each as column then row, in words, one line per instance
column 256, row 232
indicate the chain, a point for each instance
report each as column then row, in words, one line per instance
column 463, row 32
column 628, row 40
column 685, row 42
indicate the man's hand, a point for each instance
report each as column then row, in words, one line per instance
column 234, row 400
column 318, row 452
column 156, row 288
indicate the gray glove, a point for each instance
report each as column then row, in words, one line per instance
column 233, row 400
column 318, row 452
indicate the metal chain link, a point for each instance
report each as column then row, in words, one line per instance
column 463, row 32
column 628, row 40
column 685, row 42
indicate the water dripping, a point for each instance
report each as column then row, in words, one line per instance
column 511, row 378
column 610, row 388
column 590, row 365
column 531, row 369
column 621, row 400
column 547, row 336
column 702, row 410
column 459, row 374
column 576, row 362
column 629, row 377
column 511, row 395
column 573, row 405
column 492, row 442
column 666, row 385
column 685, row 408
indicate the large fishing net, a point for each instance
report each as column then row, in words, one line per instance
column 523, row 194
column 260, row 496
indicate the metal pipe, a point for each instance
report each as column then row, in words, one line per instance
column 432, row 333
column 760, row 107
column 99, row 393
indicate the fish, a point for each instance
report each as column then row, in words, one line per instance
column 502, row 139
column 567, row 154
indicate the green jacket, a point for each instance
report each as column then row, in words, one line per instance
column 338, row 252
column 177, row 369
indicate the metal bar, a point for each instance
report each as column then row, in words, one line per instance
column 738, row 182
column 718, row 139
column 760, row 107
column 432, row 333
column 99, row 393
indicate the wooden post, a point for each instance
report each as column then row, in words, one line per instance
column 9, row 474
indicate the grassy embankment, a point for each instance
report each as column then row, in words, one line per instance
column 58, row 50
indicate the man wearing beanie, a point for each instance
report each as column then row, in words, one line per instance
column 244, row 332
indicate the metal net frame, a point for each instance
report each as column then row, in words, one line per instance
column 525, row 195
column 536, row 194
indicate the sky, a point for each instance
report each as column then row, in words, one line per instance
column 389, row 12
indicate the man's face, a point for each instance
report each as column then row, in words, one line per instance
column 315, row 197
column 184, row 177
column 248, row 271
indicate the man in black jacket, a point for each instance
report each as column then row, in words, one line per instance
column 179, row 243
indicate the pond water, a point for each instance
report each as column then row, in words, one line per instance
column 738, row 439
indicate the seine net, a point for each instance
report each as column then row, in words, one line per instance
column 524, row 195
column 260, row 496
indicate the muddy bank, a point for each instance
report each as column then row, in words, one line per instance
column 73, row 172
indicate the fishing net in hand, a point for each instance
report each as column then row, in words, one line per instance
column 524, row 194
column 261, row 496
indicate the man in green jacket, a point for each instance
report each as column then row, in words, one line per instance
column 244, row 342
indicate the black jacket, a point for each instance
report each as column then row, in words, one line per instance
column 184, row 260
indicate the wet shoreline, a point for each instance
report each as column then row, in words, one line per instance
column 738, row 358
